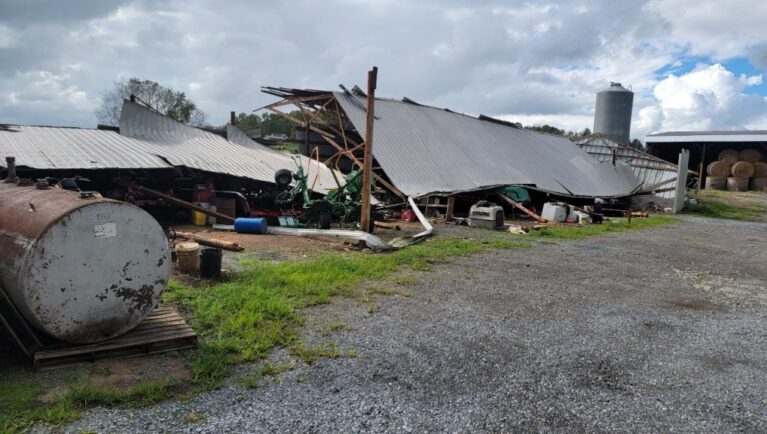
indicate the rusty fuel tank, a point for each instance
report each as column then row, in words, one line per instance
column 79, row 268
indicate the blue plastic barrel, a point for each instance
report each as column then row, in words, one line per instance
column 250, row 225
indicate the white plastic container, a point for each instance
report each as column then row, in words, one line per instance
column 553, row 212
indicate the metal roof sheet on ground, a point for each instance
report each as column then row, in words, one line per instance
column 74, row 148
column 707, row 136
column 653, row 172
column 183, row 145
column 427, row 150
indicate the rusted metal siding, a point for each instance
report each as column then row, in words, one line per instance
column 427, row 150
column 75, row 148
column 80, row 270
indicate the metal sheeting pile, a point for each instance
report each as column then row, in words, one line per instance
column 427, row 150
column 75, row 148
column 653, row 172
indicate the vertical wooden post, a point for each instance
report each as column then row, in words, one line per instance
column 367, row 164
column 450, row 207
column 702, row 169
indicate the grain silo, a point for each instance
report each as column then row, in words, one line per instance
column 613, row 112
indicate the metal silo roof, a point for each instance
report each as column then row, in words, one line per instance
column 427, row 150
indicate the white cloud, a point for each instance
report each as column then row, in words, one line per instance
column 707, row 98
column 7, row 38
column 25, row 94
column 536, row 62
column 721, row 29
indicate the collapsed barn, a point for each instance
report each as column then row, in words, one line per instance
column 450, row 160
column 152, row 150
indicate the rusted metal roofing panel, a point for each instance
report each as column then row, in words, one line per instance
column 183, row 145
column 653, row 172
column 74, row 148
column 427, row 150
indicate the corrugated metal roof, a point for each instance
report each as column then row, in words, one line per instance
column 427, row 150
column 183, row 145
column 708, row 136
column 651, row 171
column 74, row 148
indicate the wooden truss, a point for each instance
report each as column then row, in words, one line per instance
column 322, row 114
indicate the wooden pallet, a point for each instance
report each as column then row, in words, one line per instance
column 162, row 331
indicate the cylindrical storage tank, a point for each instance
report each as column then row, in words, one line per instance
column 730, row 156
column 742, row 169
column 716, row 183
column 719, row 168
column 613, row 112
column 735, row 183
column 80, row 269
column 750, row 155
column 250, row 225
column 758, row 183
column 760, row 169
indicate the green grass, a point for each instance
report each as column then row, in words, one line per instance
column 19, row 406
column 718, row 209
column 241, row 320
column 577, row 232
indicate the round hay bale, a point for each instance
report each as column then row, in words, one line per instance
column 750, row 155
column 760, row 169
column 719, row 168
column 716, row 183
column 758, row 183
column 743, row 169
column 729, row 155
column 736, row 183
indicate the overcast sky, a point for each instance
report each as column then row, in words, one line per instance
column 693, row 64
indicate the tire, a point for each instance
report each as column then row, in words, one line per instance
column 283, row 177
column 324, row 221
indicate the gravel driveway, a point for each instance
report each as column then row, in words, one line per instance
column 659, row 330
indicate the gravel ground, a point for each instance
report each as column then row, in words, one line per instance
column 659, row 330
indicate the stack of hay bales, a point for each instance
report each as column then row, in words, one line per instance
column 737, row 171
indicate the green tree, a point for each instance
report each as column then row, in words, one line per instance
column 169, row 102
column 636, row 143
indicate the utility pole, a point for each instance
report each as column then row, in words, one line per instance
column 367, row 164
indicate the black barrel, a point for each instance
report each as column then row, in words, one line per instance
column 210, row 263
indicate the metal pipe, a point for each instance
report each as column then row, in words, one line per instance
column 372, row 241
column 186, row 204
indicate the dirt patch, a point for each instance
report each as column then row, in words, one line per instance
column 689, row 304
column 732, row 292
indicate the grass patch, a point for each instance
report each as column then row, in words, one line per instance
column 19, row 406
column 329, row 350
column 242, row 319
column 730, row 205
column 577, row 232
column 330, row 328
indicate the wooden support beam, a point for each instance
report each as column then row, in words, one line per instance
column 367, row 167
column 450, row 208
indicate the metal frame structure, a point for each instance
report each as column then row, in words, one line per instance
column 322, row 114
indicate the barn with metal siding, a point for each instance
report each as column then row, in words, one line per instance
column 704, row 146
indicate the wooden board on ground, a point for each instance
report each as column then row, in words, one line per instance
column 162, row 331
